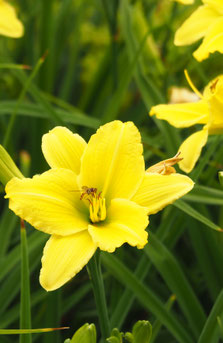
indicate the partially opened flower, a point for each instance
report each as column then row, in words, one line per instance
column 208, row 110
column 97, row 195
column 10, row 25
column 207, row 22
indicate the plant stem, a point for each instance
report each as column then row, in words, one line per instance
column 25, row 308
column 95, row 275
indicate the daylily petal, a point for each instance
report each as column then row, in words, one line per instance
column 216, row 4
column 196, row 26
column 50, row 202
column 191, row 149
column 212, row 42
column 183, row 115
column 9, row 24
column 64, row 257
column 216, row 105
column 113, row 162
column 125, row 223
column 158, row 191
column 63, row 149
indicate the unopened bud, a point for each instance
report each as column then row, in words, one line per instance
column 8, row 169
column 142, row 332
column 86, row 334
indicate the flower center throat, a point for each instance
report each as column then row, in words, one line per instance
column 97, row 208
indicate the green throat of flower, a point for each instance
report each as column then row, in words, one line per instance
column 97, row 207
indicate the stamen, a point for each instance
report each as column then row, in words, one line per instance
column 97, row 207
column 192, row 86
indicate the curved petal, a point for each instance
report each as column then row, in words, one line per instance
column 183, row 115
column 196, row 26
column 64, row 257
column 216, row 4
column 49, row 202
column 113, row 161
column 158, row 191
column 212, row 42
column 9, row 24
column 191, row 149
column 125, row 223
column 63, row 149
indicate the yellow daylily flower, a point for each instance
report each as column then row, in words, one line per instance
column 208, row 110
column 206, row 21
column 96, row 195
column 10, row 25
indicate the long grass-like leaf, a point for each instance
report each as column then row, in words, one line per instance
column 183, row 206
column 73, row 116
column 28, row 331
column 210, row 332
column 148, row 299
column 172, row 273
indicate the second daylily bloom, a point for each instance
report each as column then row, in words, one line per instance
column 97, row 195
column 10, row 25
column 207, row 22
column 208, row 110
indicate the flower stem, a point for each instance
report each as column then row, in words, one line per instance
column 94, row 271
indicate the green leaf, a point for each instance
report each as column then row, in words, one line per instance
column 210, row 332
column 157, row 325
column 117, row 98
column 28, row 331
column 73, row 116
column 147, row 298
column 172, row 273
column 205, row 195
column 183, row 206
column 151, row 94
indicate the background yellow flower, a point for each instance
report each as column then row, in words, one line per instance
column 10, row 25
column 205, row 22
column 208, row 110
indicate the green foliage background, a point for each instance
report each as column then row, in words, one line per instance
column 106, row 60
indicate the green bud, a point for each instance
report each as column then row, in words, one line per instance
column 67, row 340
column 8, row 168
column 113, row 339
column 116, row 336
column 142, row 332
column 86, row 334
column 129, row 337
column 220, row 175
